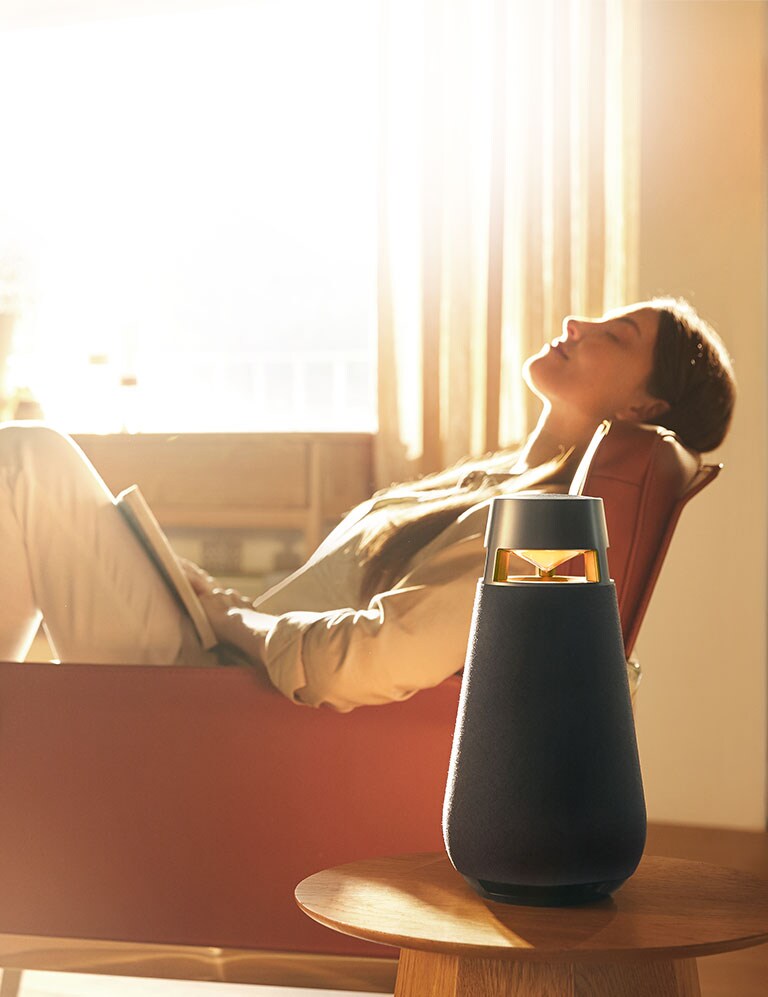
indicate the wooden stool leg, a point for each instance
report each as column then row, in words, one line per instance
column 433, row 974
column 425, row 974
column 659, row 978
column 10, row 982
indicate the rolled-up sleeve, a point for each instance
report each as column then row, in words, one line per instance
column 407, row 639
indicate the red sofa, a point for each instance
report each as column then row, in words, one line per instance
column 183, row 805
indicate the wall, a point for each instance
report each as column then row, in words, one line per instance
column 702, row 708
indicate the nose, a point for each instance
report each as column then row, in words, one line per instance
column 578, row 328
column 573, row 329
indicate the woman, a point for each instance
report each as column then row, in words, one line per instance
column 383, row 607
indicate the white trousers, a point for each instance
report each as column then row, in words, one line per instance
column 68, row 557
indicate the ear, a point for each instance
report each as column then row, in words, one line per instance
column 647, row 410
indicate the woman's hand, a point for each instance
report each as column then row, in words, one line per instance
column 231, row 615
column 205, row 585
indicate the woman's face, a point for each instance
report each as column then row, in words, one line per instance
column 600, row 368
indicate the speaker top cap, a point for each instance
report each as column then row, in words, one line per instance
column 546, row 522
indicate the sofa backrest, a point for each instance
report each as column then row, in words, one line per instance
column 644, row 476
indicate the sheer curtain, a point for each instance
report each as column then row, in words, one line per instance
column 507, row 199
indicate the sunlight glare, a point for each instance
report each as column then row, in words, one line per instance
column 198, row 190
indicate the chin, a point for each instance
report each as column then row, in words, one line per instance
column 536, row 372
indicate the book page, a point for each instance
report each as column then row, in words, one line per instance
column 142, row 521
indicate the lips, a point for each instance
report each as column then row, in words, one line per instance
column 558, row 347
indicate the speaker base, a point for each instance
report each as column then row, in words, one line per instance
column 544, row 896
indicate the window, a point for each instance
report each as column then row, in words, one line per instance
column 187, row 218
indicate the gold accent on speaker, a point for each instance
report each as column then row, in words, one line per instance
column 545, row 562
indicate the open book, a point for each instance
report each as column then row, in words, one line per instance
column 142, row 521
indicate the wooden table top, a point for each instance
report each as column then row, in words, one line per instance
column 671, row 908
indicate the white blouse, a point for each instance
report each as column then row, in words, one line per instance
column 325, row 648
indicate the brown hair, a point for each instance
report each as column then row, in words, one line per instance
column 385, row 552
column 693, row 373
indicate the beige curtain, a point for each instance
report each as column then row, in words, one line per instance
column 507, row 199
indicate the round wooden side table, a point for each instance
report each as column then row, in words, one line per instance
column 642, row 942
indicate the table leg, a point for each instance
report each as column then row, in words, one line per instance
column 434, row 974
column 10, row 982
column 657, row 978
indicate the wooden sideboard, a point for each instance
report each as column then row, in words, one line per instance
column 270, row 481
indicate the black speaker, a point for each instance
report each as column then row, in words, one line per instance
column 544, row 803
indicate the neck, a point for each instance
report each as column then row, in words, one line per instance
column 555, row 434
